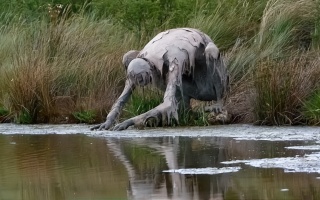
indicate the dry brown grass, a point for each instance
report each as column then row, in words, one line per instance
column 283, row 86
column 272, row 74
column 76, row 58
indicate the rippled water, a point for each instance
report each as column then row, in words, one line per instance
column 222, row 162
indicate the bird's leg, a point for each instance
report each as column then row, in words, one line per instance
column 117, row 107
column 165, row 111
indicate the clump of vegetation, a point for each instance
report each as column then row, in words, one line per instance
column 281, row 88
column 145, row 99
column 4, row 114
column 142, row 100
column 194, row 118
column 24, row 117
column 85, row 116
column 72, row 50
column 280, row 61
column 75, row 57
column 3, row 111
column 311, row 108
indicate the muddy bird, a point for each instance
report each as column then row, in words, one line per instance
column 183, row 62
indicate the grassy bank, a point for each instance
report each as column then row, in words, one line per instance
column 51, row 70
column 66, row 67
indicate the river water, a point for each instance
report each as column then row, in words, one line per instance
column 219, row 162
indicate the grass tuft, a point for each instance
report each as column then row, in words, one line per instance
column 311, row 108
column 85, row 116
column 282, row 86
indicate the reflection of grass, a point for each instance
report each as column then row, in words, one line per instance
column 39, row 162
column 267, row 184
column 146, row 160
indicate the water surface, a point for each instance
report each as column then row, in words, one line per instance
column 222, row 162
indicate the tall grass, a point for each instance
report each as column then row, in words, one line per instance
column 277, row 60
column 286, row 73
column 311, row 108
column 54, row 68
column 228, row 21
column 76, row 57
column 283, row 86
